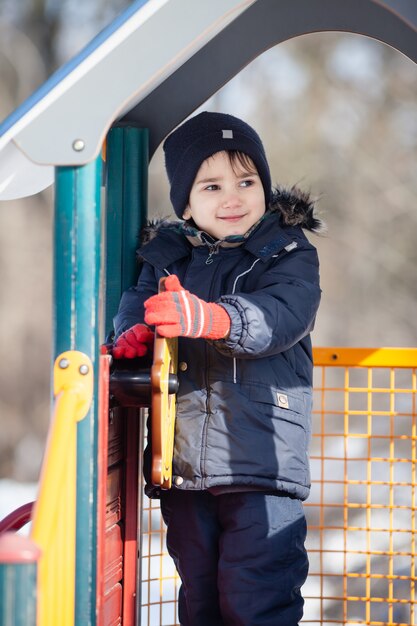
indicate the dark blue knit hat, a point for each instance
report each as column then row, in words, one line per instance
column 201, row 137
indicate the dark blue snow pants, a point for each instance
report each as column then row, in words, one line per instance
column 240, row 556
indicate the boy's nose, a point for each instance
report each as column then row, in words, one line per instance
column 231, row 200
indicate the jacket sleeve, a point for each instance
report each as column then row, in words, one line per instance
column 281, row 310
column 131, row 310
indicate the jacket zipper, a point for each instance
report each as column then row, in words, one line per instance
column 213, row 249
column 206, row 424
column 233, row 291
column 208, row 393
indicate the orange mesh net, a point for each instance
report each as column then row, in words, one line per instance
column 361, row 512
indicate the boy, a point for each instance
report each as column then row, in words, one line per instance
column 242, row 294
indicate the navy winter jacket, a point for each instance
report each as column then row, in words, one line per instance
column 244, row 403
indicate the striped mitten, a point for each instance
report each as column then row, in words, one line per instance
column 178, row 313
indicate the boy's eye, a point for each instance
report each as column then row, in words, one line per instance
column 212, row 187
column 246, row 183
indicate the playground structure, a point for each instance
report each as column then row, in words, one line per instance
column 361, row 511
column 362, row 520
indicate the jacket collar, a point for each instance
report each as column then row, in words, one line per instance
column 268, row 239
column 169, row 246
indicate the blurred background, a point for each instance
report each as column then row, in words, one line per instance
column 338, row 116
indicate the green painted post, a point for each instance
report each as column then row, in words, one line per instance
column 18, row 577
column 127, row 188
column 78, row 326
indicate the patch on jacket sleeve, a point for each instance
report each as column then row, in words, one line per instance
column 282, row 400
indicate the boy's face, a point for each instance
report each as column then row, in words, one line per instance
column 225, row 200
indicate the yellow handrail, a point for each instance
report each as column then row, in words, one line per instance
column 53, row 527
column 365, row 357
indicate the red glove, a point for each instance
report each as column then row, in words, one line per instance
column 133, row 342
column 178, row 313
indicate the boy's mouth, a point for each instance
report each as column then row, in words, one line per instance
column 231, row 218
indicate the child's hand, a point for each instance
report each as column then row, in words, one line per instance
column 178, row 313
column 133, row 343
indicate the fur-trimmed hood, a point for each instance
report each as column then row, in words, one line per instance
column 294, row 207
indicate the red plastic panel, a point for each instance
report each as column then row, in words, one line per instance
column 114, row 496
column 112, row 609
column 115, row 449
column 113, row 557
